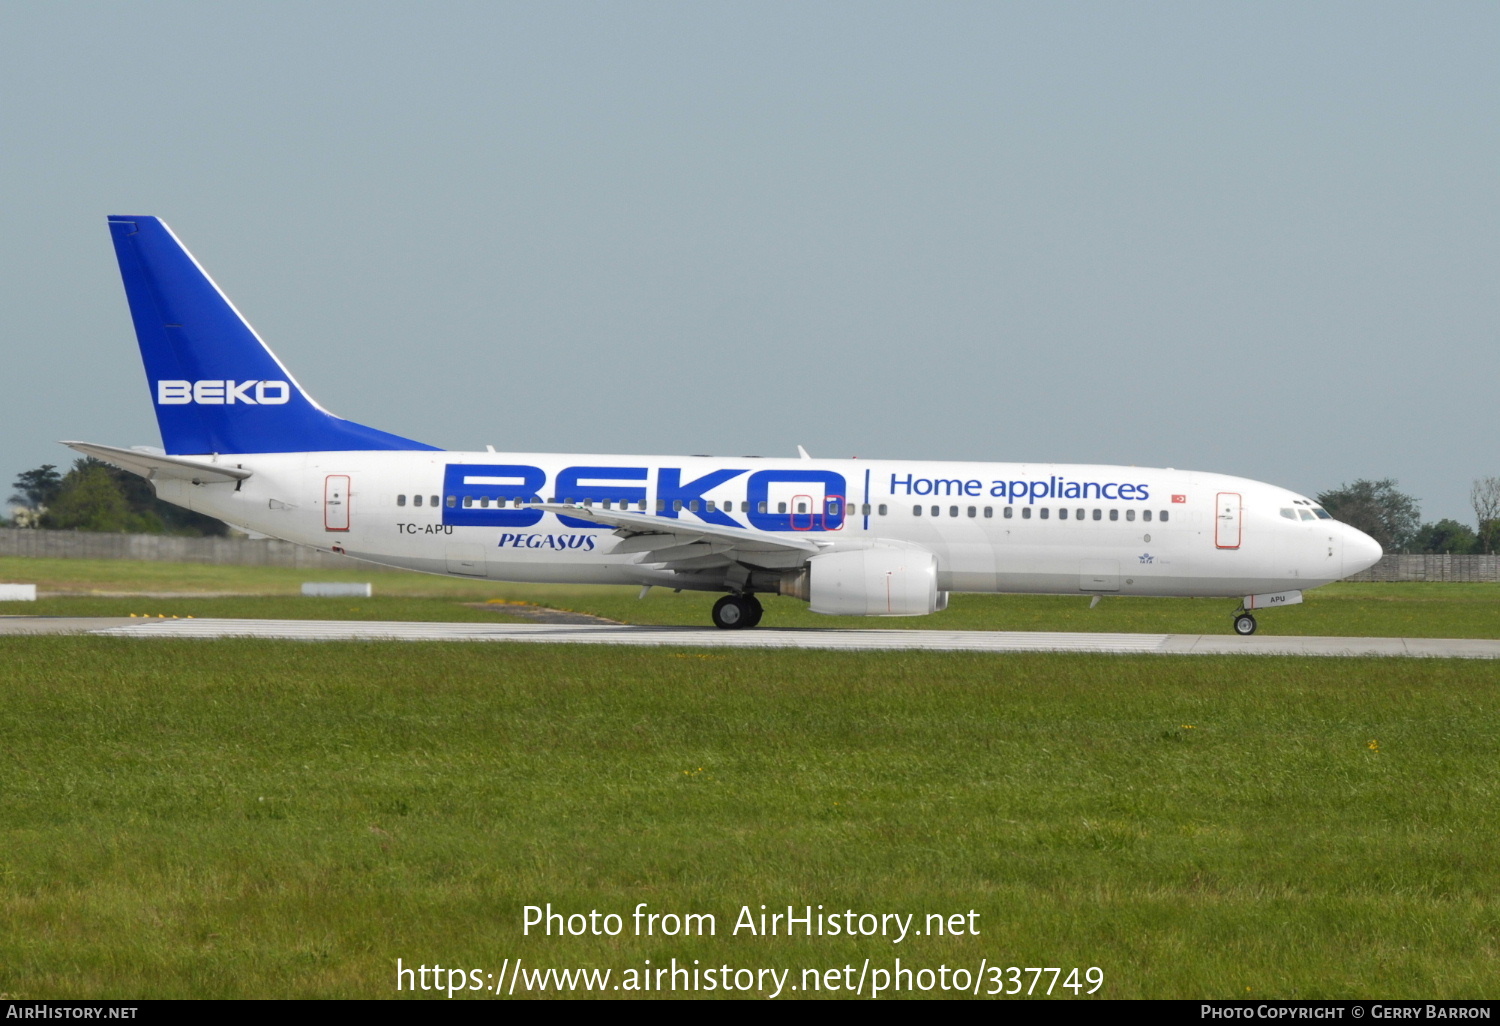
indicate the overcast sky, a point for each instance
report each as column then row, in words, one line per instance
column 1255, row 238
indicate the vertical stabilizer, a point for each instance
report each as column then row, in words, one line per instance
column 215, row 386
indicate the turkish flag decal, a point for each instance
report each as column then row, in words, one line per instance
column 1179, row 498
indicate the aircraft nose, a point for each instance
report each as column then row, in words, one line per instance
column 1360, row 551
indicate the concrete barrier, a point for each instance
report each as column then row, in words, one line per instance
column 335, row 589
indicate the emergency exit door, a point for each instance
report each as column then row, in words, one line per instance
column 1227, row 528
column 336, row 502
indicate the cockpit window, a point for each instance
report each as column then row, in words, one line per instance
column 1321, row 513
column 1289, row 513
column 1307, row 514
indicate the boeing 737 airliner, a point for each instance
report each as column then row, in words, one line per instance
column 244, row 443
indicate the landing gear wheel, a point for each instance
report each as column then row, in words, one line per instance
column 1244, row 625
column 755, row 611
column 735, row 612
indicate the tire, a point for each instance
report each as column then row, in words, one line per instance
column 732, row 613
column 755, row 612
column 1244, row 625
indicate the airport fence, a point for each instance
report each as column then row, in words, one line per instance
column 166, row 549
column 1425, row 566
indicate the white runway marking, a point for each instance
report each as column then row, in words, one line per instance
column 846, row 640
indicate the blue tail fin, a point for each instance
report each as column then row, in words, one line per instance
column 215, row 385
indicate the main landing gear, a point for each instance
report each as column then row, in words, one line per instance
column 1244, row 624
column 736, row 612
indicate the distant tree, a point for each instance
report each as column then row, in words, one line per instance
column 1486, row 499
column 89, row 500
column 94, row 496
column 1389, row 516
column 36, row 488
column 1446, row 536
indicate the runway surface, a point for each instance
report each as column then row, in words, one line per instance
column 709, row 637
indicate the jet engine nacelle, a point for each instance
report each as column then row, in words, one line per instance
column 887, row 580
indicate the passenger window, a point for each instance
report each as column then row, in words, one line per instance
column 801, row 507
column 916, row 511
column 1146, row 515
column 953, row 511
column 937, row 511
column 973, row 511
column 1062, row 514
column 1025, row 512
column 434, row 501
column 677, row 505
column 989, row 512
column 1044, row 511
column 762, row 507
column 1098, row 514
column 781, row 507
column 1164, row 516
column 1130, row 514
column 468, row 501
column 1114, row 514
column 710, row 505
column 1079, row 513
column 452, row 501
column 484, row 502
column 1008, row 511
column 661, row 505
column 881, row 509
column 401, row 500
column 416, row 500
column 833, row 507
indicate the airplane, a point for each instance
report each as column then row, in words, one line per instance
column 244, row 442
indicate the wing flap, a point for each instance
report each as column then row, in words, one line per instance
column 653, row 535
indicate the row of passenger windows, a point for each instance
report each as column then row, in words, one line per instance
column 1042, row 513
column 832, row 507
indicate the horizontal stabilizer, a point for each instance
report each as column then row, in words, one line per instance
column 157, row 467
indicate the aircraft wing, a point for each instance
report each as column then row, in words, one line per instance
column 153, row 465
column 685, row 546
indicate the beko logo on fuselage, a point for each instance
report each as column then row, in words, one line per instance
column 497, row 494
column 222, row 393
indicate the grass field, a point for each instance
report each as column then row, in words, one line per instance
column 233, row 818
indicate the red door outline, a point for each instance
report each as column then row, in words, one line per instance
column 810, row 514
column 336, row 502
column 1228, row 516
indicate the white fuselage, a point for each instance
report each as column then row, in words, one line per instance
column 993, row 527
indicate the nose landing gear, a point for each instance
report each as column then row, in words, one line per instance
column 1244, row 624
column 737, row 612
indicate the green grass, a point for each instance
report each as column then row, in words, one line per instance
column 1354, row 610
column 230, row 818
